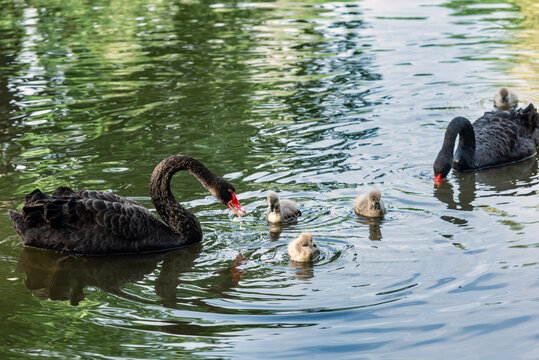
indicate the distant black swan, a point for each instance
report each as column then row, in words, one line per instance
column 496, row 138
column 90, row 222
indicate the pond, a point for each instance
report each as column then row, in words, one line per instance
column 319, row 101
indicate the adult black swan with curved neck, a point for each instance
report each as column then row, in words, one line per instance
column 89, row 222
column 496, row 138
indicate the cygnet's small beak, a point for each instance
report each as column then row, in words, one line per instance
column 438, row 180
column 235, row 204
column 377, row 206
column 272, row 207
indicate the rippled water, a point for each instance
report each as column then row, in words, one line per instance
column 316, row 100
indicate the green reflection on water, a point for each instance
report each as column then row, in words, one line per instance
column 95, row 94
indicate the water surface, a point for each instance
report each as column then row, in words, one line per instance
column 316, row 100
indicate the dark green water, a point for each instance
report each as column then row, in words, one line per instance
column 318, row 101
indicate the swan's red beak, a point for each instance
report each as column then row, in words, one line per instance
column 438, row 180
column 235, row 205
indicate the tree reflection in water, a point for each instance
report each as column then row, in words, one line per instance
column 55, row 276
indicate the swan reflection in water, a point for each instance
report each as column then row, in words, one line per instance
column 54, row 276
column 276, row 229
column 61, row 277
column 302, row 270
column 498, row 179
column 375, row 226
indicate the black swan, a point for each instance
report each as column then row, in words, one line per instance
column 496, row 138
column 281, row 210
column 505, row 99
column 89, row 222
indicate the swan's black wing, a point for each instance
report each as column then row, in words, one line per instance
column 105, row 196
column 495, row 135
column 531, row 121
column 84, row 221
column 505, row 136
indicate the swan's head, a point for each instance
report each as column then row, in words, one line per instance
column 273, row 201
column 442, row 166
column 226, row 194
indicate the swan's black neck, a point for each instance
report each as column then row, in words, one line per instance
column 182, row 221
column 464, row 155
column 462, row 127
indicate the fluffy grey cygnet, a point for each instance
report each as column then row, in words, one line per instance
column 281, row 210
column 303, row 248
column 370, row 204
column 505, row 99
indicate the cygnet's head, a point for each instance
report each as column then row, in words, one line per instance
column 505, row 99
column 273, row 200
column 374, row 199
column 303, row 248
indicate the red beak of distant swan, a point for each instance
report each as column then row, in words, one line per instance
column 438, row 180
column 235, row 204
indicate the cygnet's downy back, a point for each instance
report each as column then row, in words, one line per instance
column 370, row 204
column 303, row 248
column 505, row 99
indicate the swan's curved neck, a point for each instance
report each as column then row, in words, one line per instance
column 466, row 148
column 182, row 221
